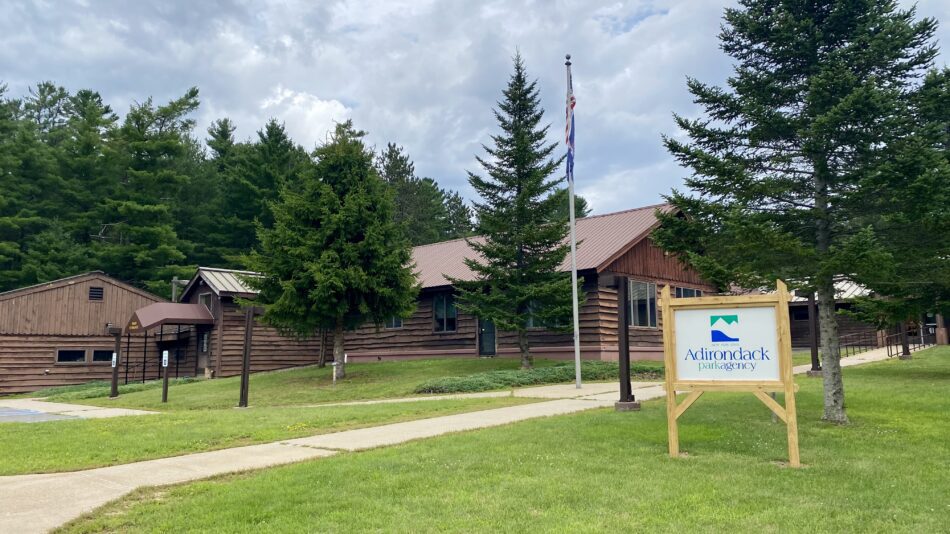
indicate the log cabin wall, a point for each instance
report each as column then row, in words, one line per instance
column 67, row 314
column 416, row 338
column 269, row 349
column 798, row 319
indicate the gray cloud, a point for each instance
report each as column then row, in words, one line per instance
column 423, row 74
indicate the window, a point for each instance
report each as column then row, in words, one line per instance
column 394, row 322
column 687, row 292
column 799, row 313
column 444, row 313
column 642, row 304
column 95, row 293
column 205, row 298
column 534, row 321
column 71, row 356
column 102, row 355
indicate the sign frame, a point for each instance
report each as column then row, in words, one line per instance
column 760, row 388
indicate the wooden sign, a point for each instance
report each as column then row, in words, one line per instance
column 733, row 343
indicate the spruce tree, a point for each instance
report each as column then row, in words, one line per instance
column 781, row 161
column 517, row 275
column 334, row 258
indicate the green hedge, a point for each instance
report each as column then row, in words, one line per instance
column 561, row 373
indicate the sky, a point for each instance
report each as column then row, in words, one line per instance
column 423, row 74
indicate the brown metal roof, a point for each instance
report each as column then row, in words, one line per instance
column 224, row 282
column 601, row 240
column 162, row 313
column 844, row 290
column 69, row 280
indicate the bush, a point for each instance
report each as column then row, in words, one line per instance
column 557, row 374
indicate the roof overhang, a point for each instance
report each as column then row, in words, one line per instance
column 172, row 313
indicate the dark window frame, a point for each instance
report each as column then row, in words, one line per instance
column 681, row 292
column 85, row 355
column 92, row 356
column 394, row 322
column 441, row 326
column 633, row 313
column 210, row 303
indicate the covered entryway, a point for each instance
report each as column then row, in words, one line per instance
column 184, row 322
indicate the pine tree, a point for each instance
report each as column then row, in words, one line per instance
column 334, row 257
column 820, row 95
column 517, row 276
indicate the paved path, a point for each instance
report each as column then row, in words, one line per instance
column 34, row 410
column 37, row 503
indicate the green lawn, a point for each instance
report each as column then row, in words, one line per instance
column 306, row 385
column 603, row 471
column 70, row 445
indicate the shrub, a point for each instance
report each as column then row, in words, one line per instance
column 561, row 373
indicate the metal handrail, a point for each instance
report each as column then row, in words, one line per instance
column 857, row 342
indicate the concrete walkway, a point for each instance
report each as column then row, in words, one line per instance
column 37, row 503
column 35, row 410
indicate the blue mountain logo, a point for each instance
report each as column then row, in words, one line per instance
column 721, row 327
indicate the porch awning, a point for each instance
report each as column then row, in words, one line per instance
column 174, row 313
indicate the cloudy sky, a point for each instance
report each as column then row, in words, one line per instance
column 420, row 73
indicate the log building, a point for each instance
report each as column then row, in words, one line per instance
column 608, row 245
column 55, row 333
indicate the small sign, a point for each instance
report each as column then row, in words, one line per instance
column 115, row 359
column 164, row 358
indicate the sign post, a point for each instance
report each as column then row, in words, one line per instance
column 114, row 386
column 164, row 376
column 739, row 343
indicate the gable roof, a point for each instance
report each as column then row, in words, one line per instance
column 224, row 282
column 601, row 239
column 75, row 279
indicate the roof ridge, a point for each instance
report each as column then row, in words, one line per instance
column 654, row 206
column 224, row 270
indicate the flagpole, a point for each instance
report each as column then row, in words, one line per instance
column 570, row 196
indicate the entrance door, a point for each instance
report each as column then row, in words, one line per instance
column 486, row 337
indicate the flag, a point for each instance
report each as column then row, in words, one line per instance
column 569, row 128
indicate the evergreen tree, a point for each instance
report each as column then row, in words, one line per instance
column 581, row 209
column 819, row 99
column 421, row 207
column 334, row 257
column 137, row 239
column 458, row 216
column 517, row 277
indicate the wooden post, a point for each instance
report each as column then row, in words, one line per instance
column 670, row 371
column 941, row 333
column 246, row 362
column 128, row 354
column 627, row 401
column 163, row 365
column 785, row 359
column 905, row 343
column 117, row 350
column 813, row 335
column 144, row 354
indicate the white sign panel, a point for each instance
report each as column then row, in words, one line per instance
column 114, row 359
column 727, row 344
column 164, row 358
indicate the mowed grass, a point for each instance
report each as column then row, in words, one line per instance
column 302, row 386
column 603, row 471
column 70, row 445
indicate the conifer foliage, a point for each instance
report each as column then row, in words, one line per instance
column 520, row 221
column 786, row 161
column 334, row 258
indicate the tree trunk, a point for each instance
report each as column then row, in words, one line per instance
column 827, row 322
column 830, row 354
column 322, row 362
column 527, row 361
column 339, row 362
